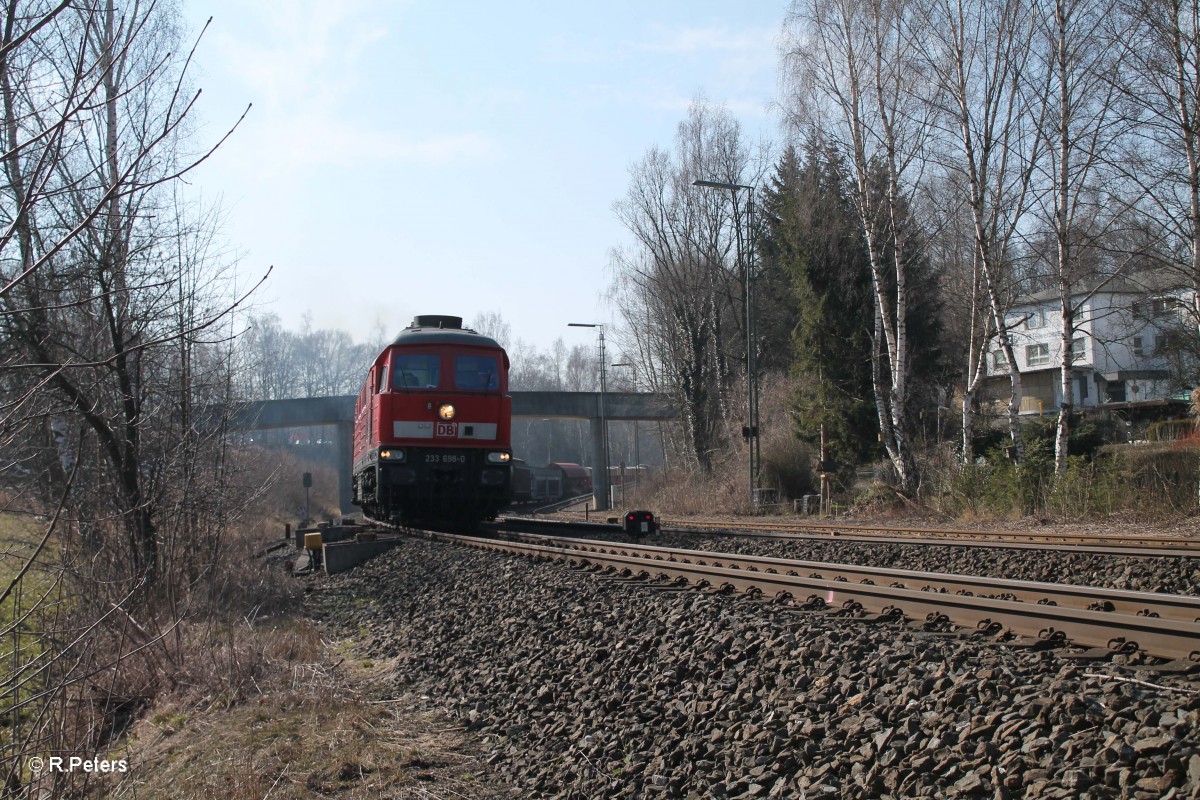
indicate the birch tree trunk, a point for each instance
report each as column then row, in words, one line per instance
column 978, row 54
column 1078, row 85
column 852, row 75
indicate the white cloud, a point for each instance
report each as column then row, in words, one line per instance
column 308, row 71
column 329, row 142
column 721, row 39
column 757, row 43
column 671, row 98
column 307, row 51
column 668, row 61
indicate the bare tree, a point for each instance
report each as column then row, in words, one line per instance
column 968, row 314
column 852, row 74
column 680, row 289
column 1076, row 75
column 96, row 306
column 110, row 299
column 268, row 368
column 1162, row 81
column 978, row 55
column 328, row 362
column 493, row 324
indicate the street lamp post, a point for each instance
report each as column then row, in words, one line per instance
column 600, row 489
column 751, row 430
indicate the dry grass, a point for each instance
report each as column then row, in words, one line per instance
column 323, row 725
column 244, row 698
column 20, row 619
column 278, row 471
column 691, row 492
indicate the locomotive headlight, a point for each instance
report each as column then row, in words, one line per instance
column 388, row 454
column 446, row 411
column 499, row 457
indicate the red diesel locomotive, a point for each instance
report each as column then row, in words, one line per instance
column 432, row 428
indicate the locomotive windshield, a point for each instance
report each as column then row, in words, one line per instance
column 478, row 373
column 415, row 371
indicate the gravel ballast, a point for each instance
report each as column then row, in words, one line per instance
column 582, row 685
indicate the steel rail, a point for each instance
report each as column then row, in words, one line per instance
column 1114, row 550
column 1167, row 606
column 836, row 534
column 1158, row 637
column 1185, row 545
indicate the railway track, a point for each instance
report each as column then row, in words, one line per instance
column 1160, row 625
column 1183, row 545
column 1131, row 545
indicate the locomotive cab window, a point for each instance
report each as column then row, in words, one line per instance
column 415, row 371
column 478, row 373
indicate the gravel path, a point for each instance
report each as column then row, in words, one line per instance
column 583, row 686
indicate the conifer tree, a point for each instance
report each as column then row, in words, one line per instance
column 813, row 236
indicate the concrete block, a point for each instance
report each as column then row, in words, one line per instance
column 340, row 533
column 341, row 556
column 330, row 533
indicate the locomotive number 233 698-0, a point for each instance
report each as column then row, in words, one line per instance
column 444, row 458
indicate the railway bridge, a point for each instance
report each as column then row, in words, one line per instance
column 338, row 411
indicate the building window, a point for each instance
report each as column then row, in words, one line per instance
column 999, row 362
column 1038, row 318
column 1078, row 350
column 1161, row 306
column 1037, row 355
column 1115, row 391
column 1162, row 343
column 1139, row 349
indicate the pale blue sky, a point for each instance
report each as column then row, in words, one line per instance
column 453, row 158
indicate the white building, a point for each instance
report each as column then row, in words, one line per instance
column 1126, row 345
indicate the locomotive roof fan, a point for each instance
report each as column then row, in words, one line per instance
column 436, row 321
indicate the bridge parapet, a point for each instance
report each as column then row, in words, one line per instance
column 291, row 413
column 339, row 411
column 586, row 405
column 305, row 411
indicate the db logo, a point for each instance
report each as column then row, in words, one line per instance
column 446, row 429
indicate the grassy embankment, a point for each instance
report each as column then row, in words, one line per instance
column 20, row 613
column 269, row 704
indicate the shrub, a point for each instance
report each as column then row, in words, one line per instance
column 1169, row 430
column 1148, row 481
column 787, row 465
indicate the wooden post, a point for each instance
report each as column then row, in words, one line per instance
column 826, row 500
